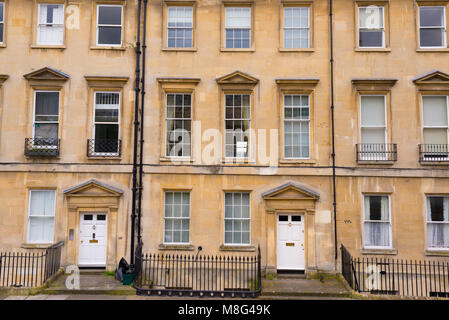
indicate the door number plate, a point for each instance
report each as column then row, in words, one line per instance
column 290, row 244
column 93, row 241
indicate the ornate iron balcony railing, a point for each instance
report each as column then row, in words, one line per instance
column 103, row 147
column 377, row 152
column 41, row 147
column 434, row 153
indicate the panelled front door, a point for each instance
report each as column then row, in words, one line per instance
column 93, row 240
column 290, row 242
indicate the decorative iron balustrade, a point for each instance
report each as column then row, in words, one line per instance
column 396, row 277
column 104, row 147
column 41, row 147
column 27, row 269
column 433, row 153
column 182, row 274
column 377, row 152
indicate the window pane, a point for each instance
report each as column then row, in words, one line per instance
column 371, row 38
column 106, row 132
column 110, row 15
column 47, row 103
column 435, row 136
column 42, row 203
column 431, row 37
column 377, row 234
column 370, row 135
column 377, row 208
column 51, row 14
column 41, row 229
column 1, row 32
column 371, row 17
column 2, row 6
column 435, row 111
column 238, row 17
column 110, row 35
column 436, row 209
column 373, row 110
column 46, row 131
column 438, row 235
column 431, row 16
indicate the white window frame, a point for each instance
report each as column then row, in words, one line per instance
column 52, row 24
column 2, row 22
column 444, row 44
column 447, row 114
column 376, row 221
column 241, row 28
column 45, row 122
column 433, row 222
column 185, row 28
column 242, row 219
column 383, row 29
column 117, row 123
column 109, row 25
column 174, row 119
column 298, row 28
column 365, row 157
column 248, row 146
column 296, row 120
column 29, row 217
column 178, row 218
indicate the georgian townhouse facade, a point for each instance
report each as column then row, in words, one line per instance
column 237, row 149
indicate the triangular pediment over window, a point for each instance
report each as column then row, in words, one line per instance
column 434, row 77
column 93, row 188
column 237, row 77
column 290, row 191
column 46, row 74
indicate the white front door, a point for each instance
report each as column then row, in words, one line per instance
column 290, row 242
column 93, row 239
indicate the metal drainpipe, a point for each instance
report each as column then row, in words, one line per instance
column 136, row 129
column 334, row 190
column 142, row 109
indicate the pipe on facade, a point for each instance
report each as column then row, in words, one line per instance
column 136, row 129
column 142, row 109
column 334, row 189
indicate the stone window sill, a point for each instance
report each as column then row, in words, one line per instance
column 36, row 245
column 297, row 50
column 432, row 50
column 379, row 251
column 371, row 162
column 372, row 49
column 38, row 46
column 121, row 48
column 237, row 248
column 176, row 247
column 297, row 161
column 179, row 49
column 237, row 49
column 180, row 160
column 437, row 252
column 104, row 158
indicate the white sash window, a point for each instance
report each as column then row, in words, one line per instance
column 2, row 21
column 432, row 27
column 50, row 29
column 438, row 222
column 41, row 216
column 177, row 217
column 377, row 221
column 296, row 27
column 109, row 25
column 371, row 27
column 237, row 218
column 238, row 27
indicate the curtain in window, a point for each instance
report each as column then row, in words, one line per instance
column 438, row 222
column 41, row 218
column 377, row 221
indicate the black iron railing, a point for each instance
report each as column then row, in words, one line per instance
column 190, row 275
column 104, row 147
column 377, row 152
column 41, row 147
column 29, row 269
column 396, row 276
column 433, row 152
